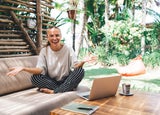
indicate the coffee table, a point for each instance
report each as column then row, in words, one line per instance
column 141, row 103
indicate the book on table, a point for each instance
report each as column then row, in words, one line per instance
column 80, row 108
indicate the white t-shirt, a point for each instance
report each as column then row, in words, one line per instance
column 57, row 64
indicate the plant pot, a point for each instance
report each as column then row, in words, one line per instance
column 72, row 14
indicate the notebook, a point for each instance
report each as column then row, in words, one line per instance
column 80, row 108
column 102, row 87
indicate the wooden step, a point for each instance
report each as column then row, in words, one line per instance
column 10, row 31
column 8, row 25
column 14, row 50
column 12, row 43
column 15, row 55
column 4, row 16
column 10, row 35
column 11, row 40
column 6, row 21
column 14, row 47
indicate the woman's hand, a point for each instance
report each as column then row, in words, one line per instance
column 14, row 71
column 89, row 59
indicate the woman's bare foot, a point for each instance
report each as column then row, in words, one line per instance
column 46, row 90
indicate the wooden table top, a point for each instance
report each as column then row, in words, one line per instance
column 140, row 103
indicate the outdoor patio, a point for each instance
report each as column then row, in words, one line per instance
column 148, row 82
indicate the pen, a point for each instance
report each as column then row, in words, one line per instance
column 85, row 108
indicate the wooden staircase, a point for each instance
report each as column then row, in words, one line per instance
column 12, row 42
column 19, row 37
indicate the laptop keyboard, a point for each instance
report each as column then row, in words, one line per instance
column 86, row 96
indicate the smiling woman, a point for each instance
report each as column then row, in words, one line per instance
column 57, row 69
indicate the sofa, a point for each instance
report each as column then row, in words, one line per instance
column 19, row 97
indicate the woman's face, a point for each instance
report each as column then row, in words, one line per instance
column 54, row 36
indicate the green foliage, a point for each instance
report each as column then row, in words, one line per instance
column 123, row 59
column 152, row 59
column 95, row 34
column 124, row 43
column 95, row 12
column 156, row 27
column 152, row 55
column 125, row 38
column 121, row 40
column 123, row 15
column 59, row 5
column 100, row 52
column 59, row 21
column 83, row 53
column 128, row 3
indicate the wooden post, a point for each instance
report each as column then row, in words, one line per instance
column 74, row 32
column 72, row 15
column 39, row 24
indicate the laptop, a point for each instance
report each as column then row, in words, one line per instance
column 102, row 87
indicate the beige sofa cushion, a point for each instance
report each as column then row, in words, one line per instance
column 20, row 81
column 32, row 102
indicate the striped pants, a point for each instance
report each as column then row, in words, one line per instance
column 67, row 84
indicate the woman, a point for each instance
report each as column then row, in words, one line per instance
column 57, row 68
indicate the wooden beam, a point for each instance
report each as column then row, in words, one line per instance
column 22, row 16
column 49, row 17
column 39, row 24
column 31, row 0
column 6, row 25
column 6, row 21
column 48, row 1
column 13, row 43
column 44, row 11
column 3, row 11
column 49, row 25
column 10, row 35
column 15, row 55
column 14, row 47
column 24, row 32
column 20, row 2
column 14, row 50
column 18, row 9
column 47, row 5
column 48, row 20
column 10, row 31
column 12, row 40
column 4, row 16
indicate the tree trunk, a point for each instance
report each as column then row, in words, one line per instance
column 106, row 22
column 82, row 34
column 144, row 3
column 133, row 10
